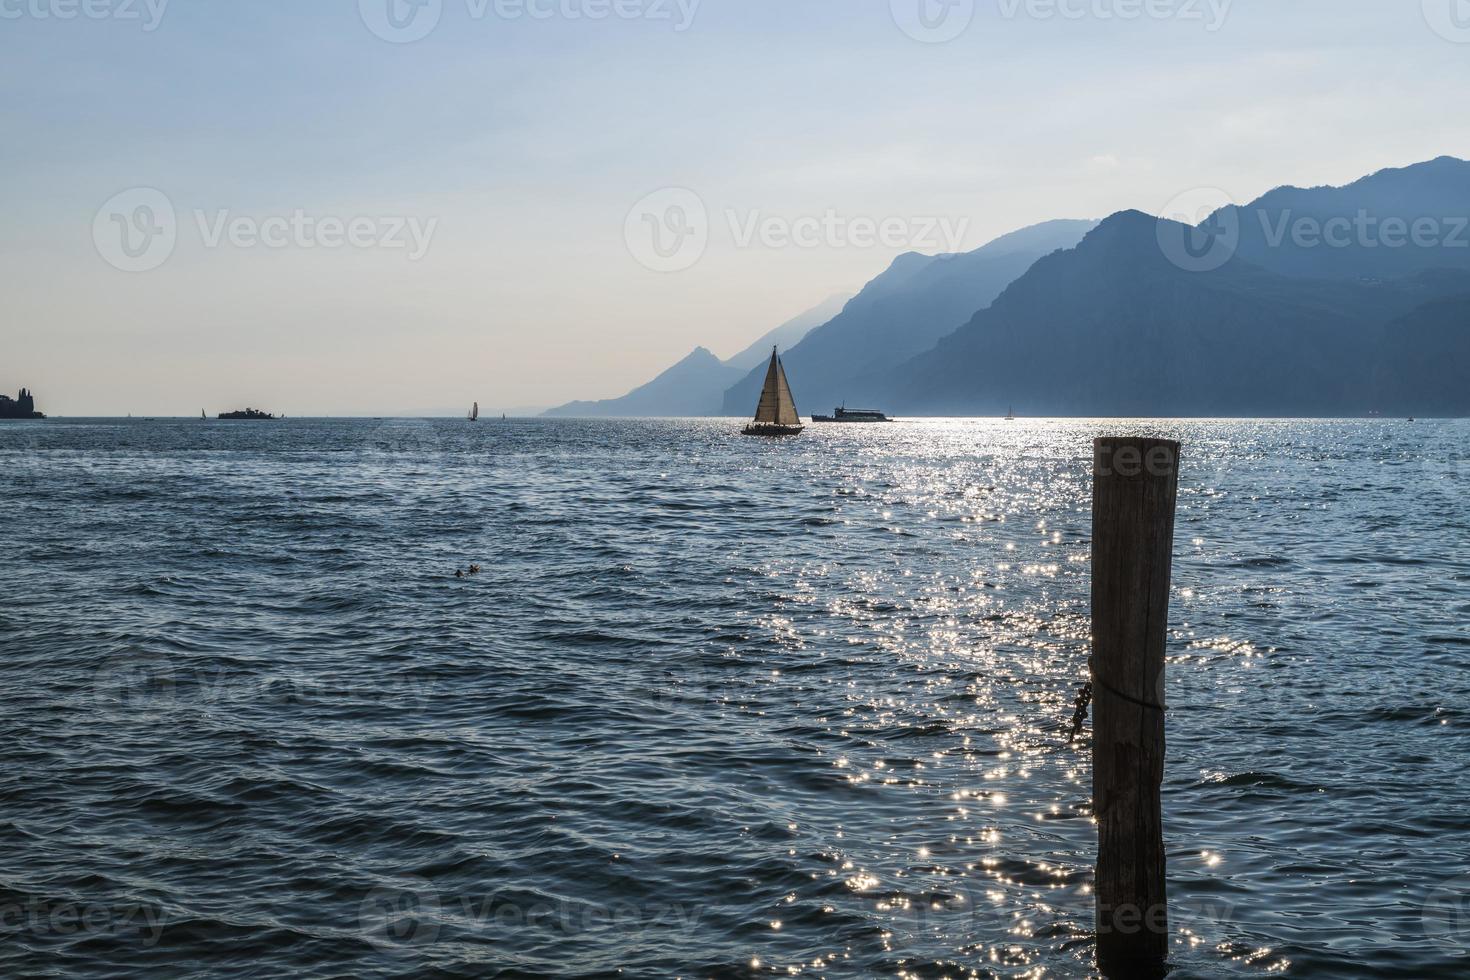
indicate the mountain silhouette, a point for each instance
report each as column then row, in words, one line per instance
column 694, row 386
column 1388, row 225
column 901, row 313
column 689, row 388
column 1424, row 363
column 1114, row 328
column 787, row 335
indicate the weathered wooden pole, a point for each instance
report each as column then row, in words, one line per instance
column 1135, row 487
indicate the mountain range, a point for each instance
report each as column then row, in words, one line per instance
column 1113, row 328
column 1324, row 301
column 903, row 312
column 695, row 386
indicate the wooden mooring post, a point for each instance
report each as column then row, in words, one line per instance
column 1135, row 489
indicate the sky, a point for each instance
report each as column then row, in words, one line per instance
column 349, row 207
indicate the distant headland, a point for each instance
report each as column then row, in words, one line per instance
column 250, row 415
column 23, row 407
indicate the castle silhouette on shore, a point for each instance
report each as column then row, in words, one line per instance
column 23, row 407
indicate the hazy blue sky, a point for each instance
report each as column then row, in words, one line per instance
column 517, row 146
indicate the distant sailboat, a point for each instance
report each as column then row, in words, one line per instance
column 474, row 415
column 776, row 414
column 202, row 416
column 1011, row 414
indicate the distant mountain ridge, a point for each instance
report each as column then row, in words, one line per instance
column 1324, row 301
column 788, row 334
column 1394, row 223
column 683, row 390
column 1283, row 327
column 901, row 313
column 693, row 387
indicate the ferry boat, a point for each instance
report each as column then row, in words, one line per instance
column 852, row 415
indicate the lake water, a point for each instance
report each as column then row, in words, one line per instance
column 715, row 707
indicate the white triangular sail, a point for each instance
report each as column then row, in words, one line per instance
column 475, row 413
column 786, row 413
column 776, row 407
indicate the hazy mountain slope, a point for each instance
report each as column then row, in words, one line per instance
column 689, row 388
column 902, row 312
column 1424, row 366
column 1113, row 328
column 695, row 386
column 787, row 335
column 1388, row 225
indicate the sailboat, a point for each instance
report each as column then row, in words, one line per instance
column 202, row 416
column 1011, row 415
column 474, row 415
column 776, row 414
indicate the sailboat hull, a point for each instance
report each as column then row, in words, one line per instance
column 772, row 431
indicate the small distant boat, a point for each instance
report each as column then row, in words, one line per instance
column 776, row 414
column 852, row 415
column 474, row 415
column 202, row 416
column 1011, row 414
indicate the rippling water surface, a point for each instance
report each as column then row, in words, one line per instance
column 715, row 707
